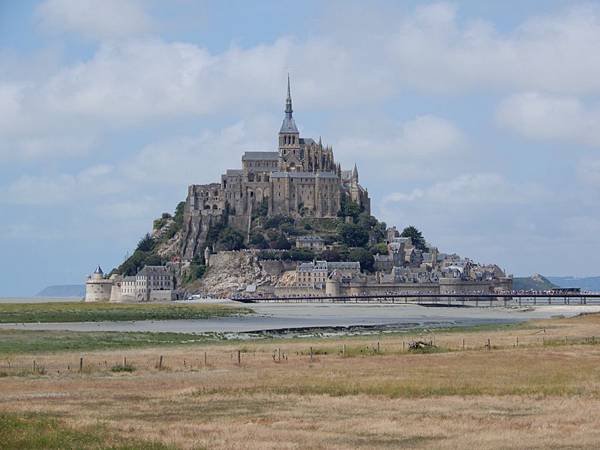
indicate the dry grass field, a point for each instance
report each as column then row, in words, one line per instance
column 534, row 386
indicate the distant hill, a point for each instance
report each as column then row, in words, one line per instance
column 63, row 290
column 535, row 282
column 585, row 283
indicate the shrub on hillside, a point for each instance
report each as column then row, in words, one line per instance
column 353, row 235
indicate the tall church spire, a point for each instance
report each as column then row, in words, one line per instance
column 288, row 101
column 288, row 125
column 355, row 173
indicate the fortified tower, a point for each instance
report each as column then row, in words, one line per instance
column 98, row 288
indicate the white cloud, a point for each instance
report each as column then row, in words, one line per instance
column 588, row 171
column 186, row 160
column 123, row 210
column 488, row 217
column 550, row 117
column 489, row 190
column 421, row 137
column 90, row 183
column 141, row 79
column 107, row 19
column 432, row 50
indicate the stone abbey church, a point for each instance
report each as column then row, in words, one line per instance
column 301, row 178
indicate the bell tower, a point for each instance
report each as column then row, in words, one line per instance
column 289, row 138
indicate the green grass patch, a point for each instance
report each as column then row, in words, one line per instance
column 38, row 431
column 98, row 312
column 123, row 368
column 34, row 341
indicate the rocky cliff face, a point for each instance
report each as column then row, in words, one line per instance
column 194, row 234
column 231, row 272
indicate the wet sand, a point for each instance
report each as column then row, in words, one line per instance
column 281, row 316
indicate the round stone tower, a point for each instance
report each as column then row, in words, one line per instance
column 98, row 288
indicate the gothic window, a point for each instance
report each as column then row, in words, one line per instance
column 215, row 207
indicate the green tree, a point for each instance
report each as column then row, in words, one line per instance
column 353, row 235
column 138, row 260
column 258, row 241
column 179, row 215
column 231, row 239
column 302, row 254
column 415, row 235
column 380, row 248
column 145, row 244
column 282, row 243
column 263, row 208
column 330, row 255
column 349, row 208
column 277, row 221
column 364, row 257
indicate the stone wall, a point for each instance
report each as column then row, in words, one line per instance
column 98, row 290
column 161, row 295
column 277, row 268
column 293, row 291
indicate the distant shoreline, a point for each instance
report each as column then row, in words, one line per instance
column 34, row 299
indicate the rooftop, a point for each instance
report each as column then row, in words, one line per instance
column 153, row 271
column 303, row 175
column 310, row 238
column 259, row 156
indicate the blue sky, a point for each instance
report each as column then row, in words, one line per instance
column 475, row 121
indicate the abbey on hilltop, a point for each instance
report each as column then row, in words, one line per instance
column 302, row 178
column 290, row 222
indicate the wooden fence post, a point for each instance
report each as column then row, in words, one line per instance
column 80, row 364
column 205, row 360
column 160, row 360
column 377, row 346
column 239, row 358
column 311, row 354
column 463, row 343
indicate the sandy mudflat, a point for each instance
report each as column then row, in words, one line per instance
column 291, row 316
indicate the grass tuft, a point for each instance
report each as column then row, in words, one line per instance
column 128, row 367
column 39, row 431
column 99, row 312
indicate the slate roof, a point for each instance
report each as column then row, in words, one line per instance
column 303, row 175
column 288, row 125
column 260, row 156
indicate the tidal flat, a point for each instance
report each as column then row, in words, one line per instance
column 530, row 385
